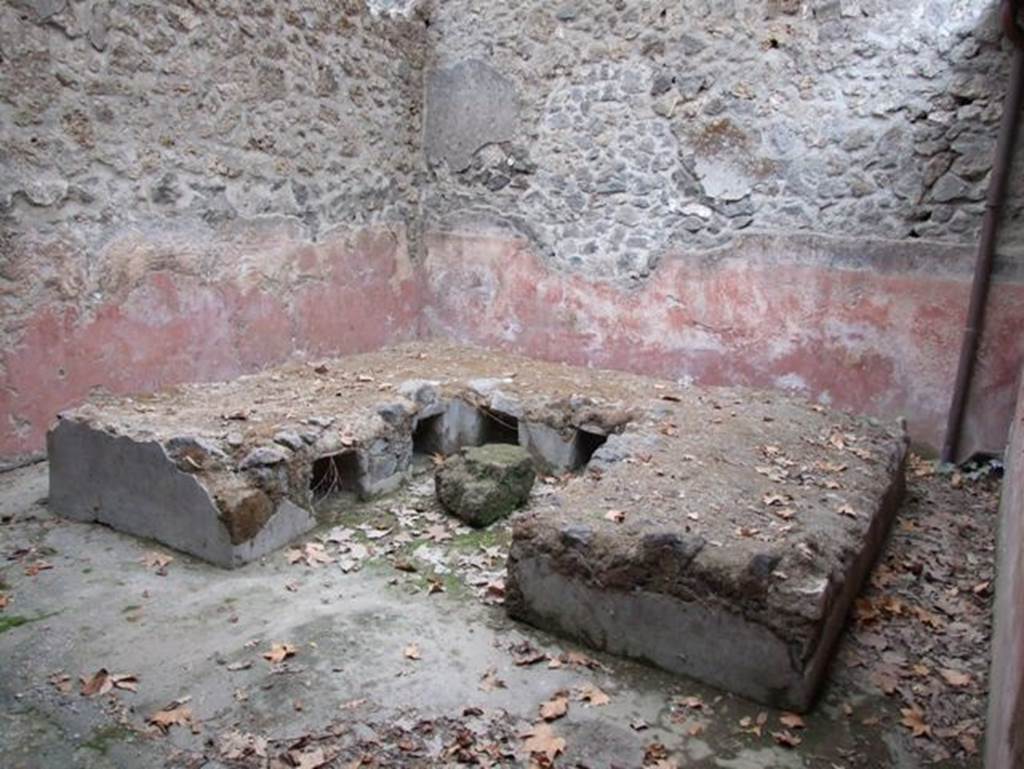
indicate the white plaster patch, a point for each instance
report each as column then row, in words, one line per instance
column 791, row 382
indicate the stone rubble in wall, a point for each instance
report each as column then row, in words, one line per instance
column 641, row 133
column 192, row 122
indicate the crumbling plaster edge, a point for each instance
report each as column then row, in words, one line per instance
column 764, row 248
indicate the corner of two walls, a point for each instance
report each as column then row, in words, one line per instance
column 777, row 194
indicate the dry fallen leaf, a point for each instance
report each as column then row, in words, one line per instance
column 61, row 682
column 786, row 739
column 884, row 681
column 235, row 746
column 913, row 719
column 792, row 721
column 927, row 618
column 125, row 681
column 955, row 677
column 526, row 653
column 152, row 559
column 35, row 567
column 279, row 653
column 489, row 681
column 656, row 755
column 541, row 738
column 173, row 715
column 312, row 553
column 308, row 759
column 4, row 601
column 968, row 743
column 556, row 707
column 593, row 695
column 98, row 683
column 582, row 660
column 438, row 533
column 412, row 652
column 748, row 726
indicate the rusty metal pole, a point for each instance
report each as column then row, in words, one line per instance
column 989, row 229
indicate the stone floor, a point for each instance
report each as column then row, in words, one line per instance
column 389, row 647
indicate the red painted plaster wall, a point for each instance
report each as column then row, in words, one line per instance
column 867, row 328
column 164, row 324
column 874, row 332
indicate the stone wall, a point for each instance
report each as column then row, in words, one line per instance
column 772, row 193
column 611, row 132
column 1004, row 740
column 194, row 189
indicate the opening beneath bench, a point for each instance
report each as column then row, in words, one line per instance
column 427, row 435
column 586, row 444
column 335, row 474
column 496, row 427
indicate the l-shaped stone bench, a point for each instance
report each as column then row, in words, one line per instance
column 718, row 533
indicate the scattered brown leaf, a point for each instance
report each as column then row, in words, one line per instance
column 175, row 714
column 438, row 533
column 98, row 683
column 786, row 739
column 913, row 719
column 886, row 682
column 792, row 721
column 693, row 703
column 412, row 652
column 556, row 707
column 313, row 554
column 489, row 681
column 541, row 739
column 153, row 559
column 279, row 653
column 955, row 677
column 525, row 653
column 61, row 682
column 593, row 695
column 35, row 567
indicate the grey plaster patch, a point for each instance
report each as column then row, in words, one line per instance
column 469, row 105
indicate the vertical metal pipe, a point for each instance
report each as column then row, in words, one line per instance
column 987, row 241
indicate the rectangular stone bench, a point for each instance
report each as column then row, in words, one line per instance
column 730, row 552
column 230, row 471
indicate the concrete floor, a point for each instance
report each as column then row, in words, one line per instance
column 351, row 685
